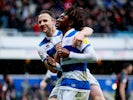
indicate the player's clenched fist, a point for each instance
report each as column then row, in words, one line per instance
column 63, row 52
column 50, row 61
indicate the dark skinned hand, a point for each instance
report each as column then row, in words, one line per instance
column 63, row 52
column 51, row 61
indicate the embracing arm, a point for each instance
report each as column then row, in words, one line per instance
column 85, row 32
column 44, row 58
column 89, row 55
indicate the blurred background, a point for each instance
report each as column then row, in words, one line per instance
column 20, row 65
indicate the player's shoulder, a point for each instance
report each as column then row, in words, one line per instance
column 85, row 43
column 71, row 33
column 86, row 40
column 58, row 33
column 44, row 40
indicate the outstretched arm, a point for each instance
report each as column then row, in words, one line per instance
column 85, row 32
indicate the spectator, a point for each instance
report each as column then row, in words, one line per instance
column 118, row 14
column 122, row 82
column 1, row 94
column 25, row 86
column 8, row 88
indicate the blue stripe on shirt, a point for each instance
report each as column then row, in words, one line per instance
column 59, row 33
column 51, row 52
column 44, row 41
column 70, row 48
column 53, row 77
column 75, row 83
column 72, row 33
column 72, row 67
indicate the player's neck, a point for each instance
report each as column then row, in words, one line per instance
column 54, row 30
column 65, row 30
column 51, row 32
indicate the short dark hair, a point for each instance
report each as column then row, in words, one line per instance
column 76, row 14
column 125, row 65
column 48, row 12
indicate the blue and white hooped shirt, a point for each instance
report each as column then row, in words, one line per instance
column 47, row 45
column 74, row 74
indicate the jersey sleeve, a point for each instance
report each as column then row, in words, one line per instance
column 42, row 53
column 123, row 79
column 85, row 43
column 87, row 53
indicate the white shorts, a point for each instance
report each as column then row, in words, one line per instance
column 92, row 79
column 72, row 95
column 54, row 92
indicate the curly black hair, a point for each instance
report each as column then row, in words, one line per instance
column 77, row 15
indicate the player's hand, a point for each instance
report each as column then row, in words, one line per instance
column 58, row 46
column 78, row 40
column 56, row 57
column 50, row 61
column 85, row 32
column 64, row 53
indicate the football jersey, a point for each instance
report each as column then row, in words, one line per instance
column 74, row 74
column 121, row 78
column 67, row 43
column 47, row 45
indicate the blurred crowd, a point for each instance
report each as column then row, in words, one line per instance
column 104, row 16
column 8, row 90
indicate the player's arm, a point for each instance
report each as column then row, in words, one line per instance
column 54, row 63
column 48, row 66
column 89, row 55
column 122, row 91
column 85, row 32
column 43, row 55
column 123, row 81
column 43, row 83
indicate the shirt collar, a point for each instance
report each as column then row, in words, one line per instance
column 68, row 32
